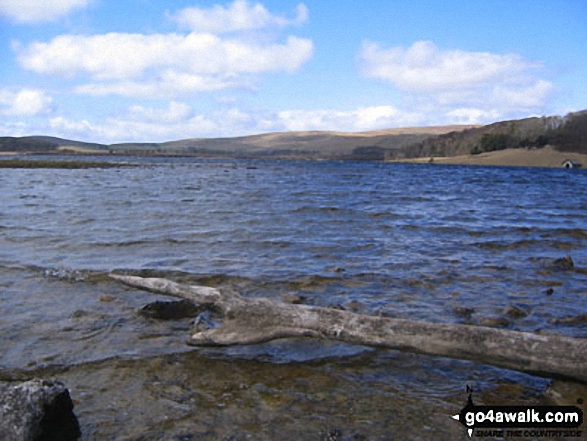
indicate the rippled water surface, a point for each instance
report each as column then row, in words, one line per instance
column 438, row 243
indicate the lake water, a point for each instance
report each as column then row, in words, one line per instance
column 451, row 244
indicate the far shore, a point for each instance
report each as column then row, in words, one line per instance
column 544, row 157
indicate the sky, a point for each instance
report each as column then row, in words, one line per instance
column 113, row 71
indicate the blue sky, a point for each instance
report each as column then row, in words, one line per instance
column 149, row 70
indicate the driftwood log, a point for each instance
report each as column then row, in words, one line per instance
column 255, row 320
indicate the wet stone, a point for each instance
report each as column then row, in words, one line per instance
column 37, row 410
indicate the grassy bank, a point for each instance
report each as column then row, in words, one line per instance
column 39, row 163
column 544, row 157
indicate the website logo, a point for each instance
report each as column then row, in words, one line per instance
column 512, row 421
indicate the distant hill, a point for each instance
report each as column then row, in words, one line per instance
column 60, row 142
column 316, row 145
column 46, row 144
column 374, row 145
column 567, row 133
column 22, row 145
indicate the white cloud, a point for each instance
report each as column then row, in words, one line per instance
column 528, row 97
column 143, row 124
column 30, row 11
column 162, row 64
column 178, row 120
column 26, row 102
column 458, row 86
column 126, row 56
column 423, row 67
column 238, row 16
column 361, row 119
column 176, row 111
column 169, row 84
column 471, row 116
column 68, row 126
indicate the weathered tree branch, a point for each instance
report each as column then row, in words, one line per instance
column 254, row 320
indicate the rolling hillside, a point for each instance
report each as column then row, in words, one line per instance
column 568, row 133
column 311, row 145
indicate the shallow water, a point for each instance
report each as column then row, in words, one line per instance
column 439, row 243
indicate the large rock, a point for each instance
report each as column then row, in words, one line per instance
column 37, row 410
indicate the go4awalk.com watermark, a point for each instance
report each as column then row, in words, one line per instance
column 521, row 421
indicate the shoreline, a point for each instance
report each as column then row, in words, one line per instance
column 544, row 157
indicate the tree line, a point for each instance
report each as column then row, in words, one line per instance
column 570, row 136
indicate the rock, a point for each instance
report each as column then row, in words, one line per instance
column 571, row 320
column 294, row 299
column 493, row 321
column 37, row 410
column 461, row 310
column 332, row 435
column 171, row 310
column 353, row 305
column 563, row 264
column 515, row 311
column 565, row 393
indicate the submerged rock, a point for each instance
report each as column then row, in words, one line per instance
column 493, row 321
column 563, row 264
column 354, row 306
column 37, row 410
column 515, row 311
column 461, row 310
column 571, row 320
